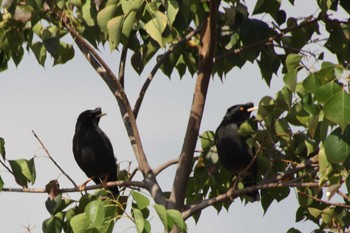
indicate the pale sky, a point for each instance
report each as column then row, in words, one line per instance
column 48, row 101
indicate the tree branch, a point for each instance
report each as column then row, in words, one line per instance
column 122, row 64
column 167, row 164
column 51, row 158
column 206, row 52
column 125, row 109
column 157, row 66
column 123, row 183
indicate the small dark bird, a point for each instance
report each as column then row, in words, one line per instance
column 93, row 150
column 234, row 154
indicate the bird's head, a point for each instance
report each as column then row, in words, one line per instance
column 239, row 112
column 90, row 118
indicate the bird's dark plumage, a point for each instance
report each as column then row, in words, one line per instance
column 93, row 150
column 232, row 149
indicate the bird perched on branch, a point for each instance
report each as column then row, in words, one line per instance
column 233, row 151
column 93, row 150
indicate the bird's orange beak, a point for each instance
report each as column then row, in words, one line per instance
column 252, row 109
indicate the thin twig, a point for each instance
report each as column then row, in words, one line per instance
column 7, row 168
column 305, row 164
column 157, row 66
column 232, row 194
column 51, row 158
column 343, row 195
column 323, row 201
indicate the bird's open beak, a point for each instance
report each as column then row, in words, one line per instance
column 101, row 115
column 252, row 109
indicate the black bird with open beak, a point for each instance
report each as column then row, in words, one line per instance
column 233, row 151
column 93, row 150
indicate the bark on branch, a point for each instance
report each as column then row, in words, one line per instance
column 206, row 52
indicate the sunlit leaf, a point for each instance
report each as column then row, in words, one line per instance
column 89, row 11
column 139, row 220
column 79, row 223
column 290, row 80
column 24, row 171
column 114, row 27
column 172, row 8
column 161, row 211
column 94, row 212
column 292, row 61
column 105, row 15
column 141, row 200
column 156, row 26
column 176, row 217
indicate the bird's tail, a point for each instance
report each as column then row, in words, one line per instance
column 250, row 180
column 114, row 190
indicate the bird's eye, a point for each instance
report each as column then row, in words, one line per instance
column 241, row 108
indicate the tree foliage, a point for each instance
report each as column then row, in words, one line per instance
column 300, row 136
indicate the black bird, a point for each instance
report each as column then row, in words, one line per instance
column 234, row 154
column 93, row 150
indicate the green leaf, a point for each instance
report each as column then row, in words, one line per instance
column 337, row 109
column 2, row 148
column 293, row 230
column 53, row 224
column 130, row 9
column 305, row 201
column 172, row 8
column 161, row 211
column 292, row 61
column 327, row 90
column 207, row 140
column 57, row 205
column 64, row 53
column 156, row 26
column 327, row 72
column 114, row 27
column 314, row 212
column 337, row 146
column 141, row 201
column 24, row 171
column 79, row 223
column 89, row 13
column 94, row 212
column 176, row 216
column 139, row 220
column 290, row 80
column 312, row 83
column 39, row 51
column 266, row 199
column 105, row 15
column 1, row 184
